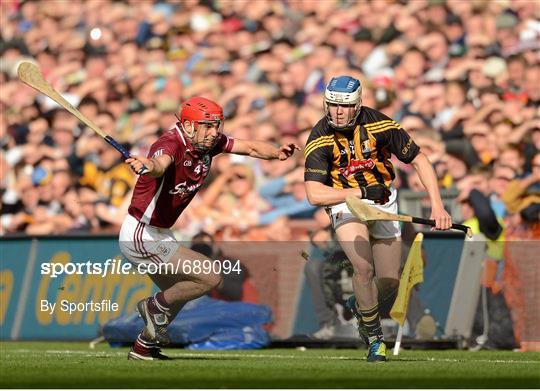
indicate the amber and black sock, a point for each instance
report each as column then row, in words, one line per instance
column 372, row 323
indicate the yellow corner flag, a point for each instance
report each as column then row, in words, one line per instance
column 413, row 273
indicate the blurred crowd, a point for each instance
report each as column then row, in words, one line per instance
column 462, row 77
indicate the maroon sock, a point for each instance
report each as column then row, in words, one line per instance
column 142, row 345
column 158, row 304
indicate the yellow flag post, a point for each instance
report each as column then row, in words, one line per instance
column 413, row 273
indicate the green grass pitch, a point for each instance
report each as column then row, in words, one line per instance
column 74, row 365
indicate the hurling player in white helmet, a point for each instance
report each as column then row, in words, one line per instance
column 348, row 153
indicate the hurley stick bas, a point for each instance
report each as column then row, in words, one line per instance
column 366, row 212
column 30, row 75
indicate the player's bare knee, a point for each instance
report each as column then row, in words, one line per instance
column 363, row 271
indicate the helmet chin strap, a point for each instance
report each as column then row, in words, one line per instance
column 193, row 134
column 351, row 123
column 191, row 137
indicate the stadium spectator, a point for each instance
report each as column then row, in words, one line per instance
column 292, row 203
column 523, row 195
column 128, row 66
column 225, row 199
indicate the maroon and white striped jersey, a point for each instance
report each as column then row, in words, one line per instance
column 160, row 201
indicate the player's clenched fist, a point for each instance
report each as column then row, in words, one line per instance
column 443, row 221
column 140, row 165
column 378, row 193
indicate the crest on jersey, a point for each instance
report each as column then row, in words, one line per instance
column 366, row 147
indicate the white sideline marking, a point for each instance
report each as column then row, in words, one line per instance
column 253, row 355
column 25, row 290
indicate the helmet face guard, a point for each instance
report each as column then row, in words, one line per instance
column 204, row 128
column 203, row 114
column 343, row 91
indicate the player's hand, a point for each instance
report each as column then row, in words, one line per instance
column 378, row 193
column 285, row 151
column 443, row 221
column 138, row 162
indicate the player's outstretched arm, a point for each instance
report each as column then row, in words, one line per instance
column 427, row 175
column 322, row 195
column 155, row 167
column 263, row 150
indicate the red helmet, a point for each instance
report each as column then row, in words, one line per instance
column 200, row 109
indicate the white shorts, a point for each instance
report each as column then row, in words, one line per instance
column 143, row 243
column 340, row 214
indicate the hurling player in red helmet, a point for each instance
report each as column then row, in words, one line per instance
column 172, row 173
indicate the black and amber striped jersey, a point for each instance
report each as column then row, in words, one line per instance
column 359, row 157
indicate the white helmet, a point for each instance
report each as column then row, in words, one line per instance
column 346, row 91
